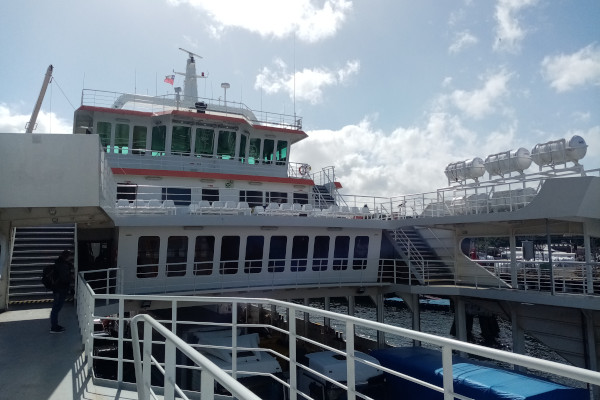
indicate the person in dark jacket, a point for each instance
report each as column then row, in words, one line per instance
column 62, row 267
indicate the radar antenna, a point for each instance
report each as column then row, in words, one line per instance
column 190, row 53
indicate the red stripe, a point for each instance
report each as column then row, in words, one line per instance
column 211, row 175
column 116, row 111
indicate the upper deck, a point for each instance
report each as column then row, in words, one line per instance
column 150, row 135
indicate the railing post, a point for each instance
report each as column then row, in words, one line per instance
column 169, row 381
column 292, row 348
column 350, row 361
column 120, row 340
column 234, row 318
column 207, row 386
column 448, row 374
column 147, row 358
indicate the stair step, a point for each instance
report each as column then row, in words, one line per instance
column 33, row 249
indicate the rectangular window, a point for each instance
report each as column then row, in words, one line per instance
column 159, row 137
column 252, row 197
column 147, row 259
column 301, row 198
column 320, row 253
column 230, row 254
column 139, row 140
column 282, row 152
column 203, row 255
column 210, row 195
column 340, row 253
column 226, row 145
column 268, row 149
column 254, row 254
column 277, row 253
column 103, row 129
column 180, row 196
column 361, row 252
column 205, row 140
column 126, row 191
column 242, row 152
column 121, row 139
column 299, row 253
column 181, row 140
column 254, row 151
column 177, row 247
column 277, row 197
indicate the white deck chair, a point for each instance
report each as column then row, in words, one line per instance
column 124, row 206
column 243, row 208
column 296, row 209
column 308, row 209
column 217, row 206
column 155, row 206
column 285, row 208
column 169, row 206
column 141, row 206
column 230, row 207
column 203, row 207
column 272, row 209
column 259, row 210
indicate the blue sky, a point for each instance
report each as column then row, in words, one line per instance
column 390, row 91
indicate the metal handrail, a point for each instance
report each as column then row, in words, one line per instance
column 350, row 324
column 210, row 372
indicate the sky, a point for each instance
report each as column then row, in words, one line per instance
column 390, row 91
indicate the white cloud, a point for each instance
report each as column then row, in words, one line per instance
column 374, row 163
column 481, row 102
column 370, row 162
column 309, row 83
column 275, row 18
column 11, row 122
column 509, row 32
column 462, row 40
column 566, row 71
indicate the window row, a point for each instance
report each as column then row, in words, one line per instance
column 183, row 196
column 227, row 252
column 184, row 140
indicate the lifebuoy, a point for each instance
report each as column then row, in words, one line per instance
column 304, row 169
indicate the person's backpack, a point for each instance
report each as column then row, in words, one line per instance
column 50, row 277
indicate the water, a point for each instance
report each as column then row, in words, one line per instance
column 439, row 322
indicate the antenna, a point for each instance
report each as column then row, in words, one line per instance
column 225, row 86
column 190, row 53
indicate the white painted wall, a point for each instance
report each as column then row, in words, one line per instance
column 49, row 170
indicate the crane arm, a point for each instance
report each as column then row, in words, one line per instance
column 36, row 110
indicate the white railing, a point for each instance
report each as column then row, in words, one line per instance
column 165, row 103
column 210, row 372
column 495, row 197
column 575, row 277
column 285, row 319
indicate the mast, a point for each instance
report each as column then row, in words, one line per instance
column 190, row 86
column 36, row 110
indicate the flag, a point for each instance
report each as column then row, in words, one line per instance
column 170, row 79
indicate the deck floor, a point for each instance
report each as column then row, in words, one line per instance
column 35, row 364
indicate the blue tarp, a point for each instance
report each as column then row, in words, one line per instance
column 470, row 378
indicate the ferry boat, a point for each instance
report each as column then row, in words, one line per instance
column 171, row 199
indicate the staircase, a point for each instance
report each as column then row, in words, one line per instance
column 323, row 198
column 33, row 249
column 424, row 262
